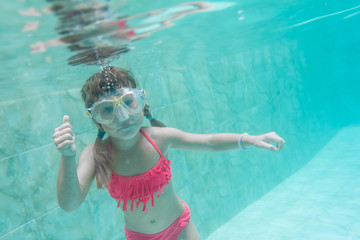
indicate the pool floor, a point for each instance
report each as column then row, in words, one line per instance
column 320, row 201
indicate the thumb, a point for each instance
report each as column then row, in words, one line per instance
column 66, row 119
column 268, row 146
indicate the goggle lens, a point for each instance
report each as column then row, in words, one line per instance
column 130, row 101
column 104, row 112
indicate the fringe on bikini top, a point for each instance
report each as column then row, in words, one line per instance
column 141, row 187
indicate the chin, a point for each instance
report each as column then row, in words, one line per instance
column 127, row 133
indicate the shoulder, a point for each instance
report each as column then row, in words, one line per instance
column 166, row 137
column 175, row 138
column 162, row 133
column 88, row 150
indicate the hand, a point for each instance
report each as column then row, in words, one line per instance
column 64, row 138
column 270, row 141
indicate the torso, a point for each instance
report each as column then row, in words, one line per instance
column 168, row 207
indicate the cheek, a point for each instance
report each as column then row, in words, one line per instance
column 107, row 129
column 140, row 120
column 140, row 116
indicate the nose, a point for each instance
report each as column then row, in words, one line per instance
column 122, row 113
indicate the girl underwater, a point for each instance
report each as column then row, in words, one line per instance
column 132, row 161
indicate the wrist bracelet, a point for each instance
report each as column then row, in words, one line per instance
column 240, row 141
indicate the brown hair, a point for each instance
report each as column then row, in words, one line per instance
column 108, row 80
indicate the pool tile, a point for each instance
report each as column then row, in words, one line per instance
column 28, row 231
column 79, row 224
column 108, row 218
column 15, row 205
column 40, row 171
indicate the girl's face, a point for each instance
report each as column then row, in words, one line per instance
column 120, row 113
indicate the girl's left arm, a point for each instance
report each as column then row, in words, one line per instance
column 220, row 141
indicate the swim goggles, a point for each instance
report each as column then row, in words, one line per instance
column 122, row 103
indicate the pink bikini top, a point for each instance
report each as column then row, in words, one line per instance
column 141, row 187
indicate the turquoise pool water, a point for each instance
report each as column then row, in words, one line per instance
column 320, row 201
column 256, row 66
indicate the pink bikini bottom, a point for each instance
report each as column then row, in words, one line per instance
column 171, row 233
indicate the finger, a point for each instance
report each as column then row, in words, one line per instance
column 60, row 131
column 65, row 144
column 65, row 125
column 281, row 144
column 278, row 140
column 268, row 146
column 274, row 138
column 63, row 138
column 66, row 119
column 63, row 132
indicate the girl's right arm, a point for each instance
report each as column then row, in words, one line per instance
column 73, row 183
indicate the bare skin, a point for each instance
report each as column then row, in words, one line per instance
column 133, row 154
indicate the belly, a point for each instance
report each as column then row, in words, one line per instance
column 167, row 208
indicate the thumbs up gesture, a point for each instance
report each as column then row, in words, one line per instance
column 64, row 138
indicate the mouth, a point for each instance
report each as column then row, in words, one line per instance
column 127, row 126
